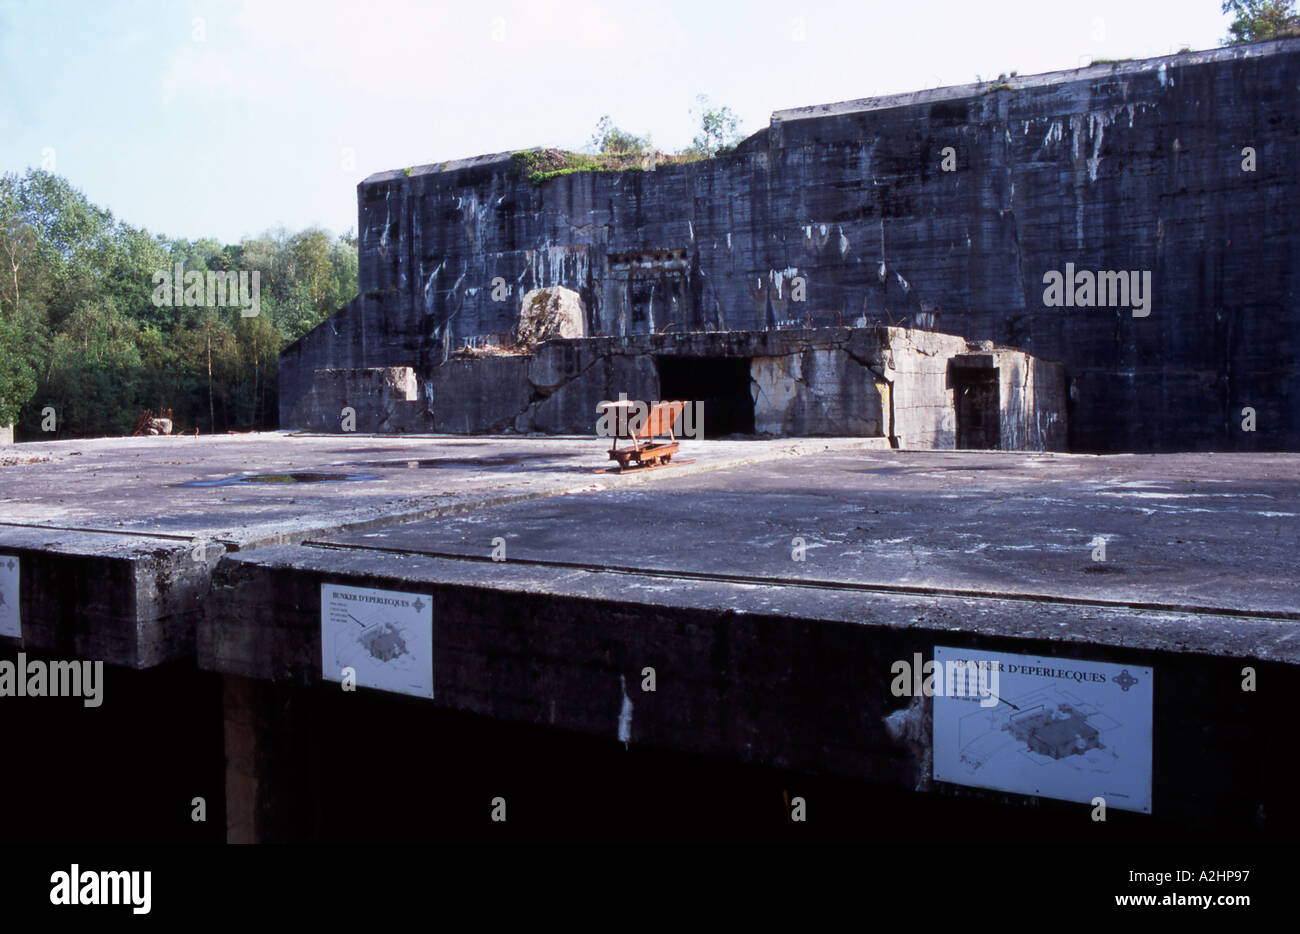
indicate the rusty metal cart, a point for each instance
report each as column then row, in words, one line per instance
column 644, row 431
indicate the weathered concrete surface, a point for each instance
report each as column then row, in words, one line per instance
column 1132, row 166
column 814, row 382
column 1190, row 533
column 380, row 399
column 115, row 550
column 1035, row 403
column 130, row 600
column 792, row 677
column 882, row 382
column 138, row 486
column 923, row 410
column 765, row 659
column 818, row 392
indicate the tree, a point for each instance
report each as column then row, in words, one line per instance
column 610, row 139
column 128, row 271
column 17, row 244
column 79, row 330
column 343, row 273
column 311, row 262
column 1260, row 19
column 719, row 129
column 17, row 247
column 94, row 369
column 17, row 381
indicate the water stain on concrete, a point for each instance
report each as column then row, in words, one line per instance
column 293, row 477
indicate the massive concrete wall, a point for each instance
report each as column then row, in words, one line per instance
column 376, row 400
column 1127, row 166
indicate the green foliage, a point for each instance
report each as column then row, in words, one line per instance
column 610, row 139
column 540, row 165
column 719, row 130
column 79, row 330
column 613, row 150
column 1254, row 20
column 17, row 380
column 526, row 161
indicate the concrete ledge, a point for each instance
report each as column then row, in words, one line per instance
column 1125, row 68
column 773, row 601
column 123, row 599
column 794, row 677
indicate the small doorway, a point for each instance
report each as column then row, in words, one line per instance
column 979, row 409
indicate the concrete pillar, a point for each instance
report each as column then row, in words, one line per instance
column 271, row 788
column 241, row 759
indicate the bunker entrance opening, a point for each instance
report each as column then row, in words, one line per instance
column 721, row 383
column 979, row 410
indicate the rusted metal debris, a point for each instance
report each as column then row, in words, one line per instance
column 643, row 429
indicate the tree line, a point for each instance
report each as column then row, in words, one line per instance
column 85, row 349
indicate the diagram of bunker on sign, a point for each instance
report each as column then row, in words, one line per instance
column 385, row 636
column 1051, row 725
column 1064, row 728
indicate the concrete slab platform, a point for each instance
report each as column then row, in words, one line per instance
column 766, row 659
column 116, row 537
column 1191, row 533
column 147, row 485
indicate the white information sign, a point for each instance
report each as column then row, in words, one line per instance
column 1060, row 728
column 10, row 623
column 384, row 636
